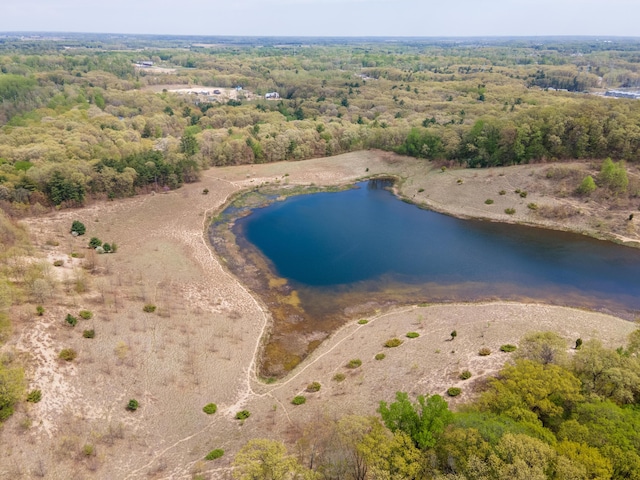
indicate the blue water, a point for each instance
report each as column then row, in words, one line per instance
column 333, row 240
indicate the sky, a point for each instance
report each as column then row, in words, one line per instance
column 423, row 18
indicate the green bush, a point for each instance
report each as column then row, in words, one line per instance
column 508, row 348
column 205, row 191
column 465, row 375
column 149, row 308
column 393, row 342
column 587, row 186
column 488, row 201
column 502, row 192
column 86, row 314
column 58, row 263
column 523, row 194
column 210, row 408
column 339, row 377
column 298, row 400
column 509, row 211
column 89, row 333
column 484, row 351
column 354, row 363
column 243, row 414
column 40, row 310
column 313, row 387
column 106, row 247
column 363, row 321
column 95, row 242
column 214, row 454
column 379, row 356
column 532, row 206
column 133, row 405
column 78, row 227
column 71, row 320
column 413, row 335
column 454, row 391
column 67, row 354
column 578, row 344
column 34, row 396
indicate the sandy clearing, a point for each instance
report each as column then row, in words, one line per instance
column 200, row 346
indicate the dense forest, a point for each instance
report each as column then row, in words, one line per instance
column 83, row 117
column 548, row 415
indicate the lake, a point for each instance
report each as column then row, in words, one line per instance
column 325, row 257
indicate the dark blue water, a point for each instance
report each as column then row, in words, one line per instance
column 332, row 240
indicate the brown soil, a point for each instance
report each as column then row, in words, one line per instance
column 201, row 344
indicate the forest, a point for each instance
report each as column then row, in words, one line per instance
column 82, row 117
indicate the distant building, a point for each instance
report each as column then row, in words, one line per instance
column 272, row 96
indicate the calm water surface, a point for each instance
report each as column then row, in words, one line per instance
column 367, row 239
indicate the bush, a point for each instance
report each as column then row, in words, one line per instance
column 379, row 356
column 243, row 414
column 509, row 211
column 89, row 333
column 114, row 247
column 133, row 405
column 578, row 343
column 313, row 387
column 532, row 206
column 339, row 377
column 71, row 320
column 523, row 194
column 34, row 396
column 488, row 201
column 214, row 454
column 149, row 308
column 354, row 363
column 78, row 228
column 67, row 354
column 484, row 351
column 40, row 310
column 413, row 335
column 454, row 391
column 210, row 408
column 465, row 375
column 86, row 314
column 205, row 191
column 95, row 242
column 393, row 342
column 508, row 348
column 363, row 321
column 502, row 192
column 106, row 247
column 453, row 334
column 587, row 186
column 58, row 263
column 298, row 400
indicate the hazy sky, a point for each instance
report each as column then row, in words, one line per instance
column 327, row 17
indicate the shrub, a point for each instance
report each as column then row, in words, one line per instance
column 89, row 450
column 86, row 314
column 523, row 194
column 95, row 242
column 354, row 363
column 587, row 186
column 339, row 377
column 578, row 343
column 509, row 211
column 313, row 387
column 71, row 320
column 243, row 414
column 210, row 408
column 459, row 181
column 106, row 247
column 114, row 247
column 413, row 335
column 34, row 396
column 78, row 228
column 205, row 191
column 488, row 201
column 149, row 308
column 502, row 192
column 453, row 334
column 454, row 391
column 363, row 321
column 40, row 310
column 298, row 400
column 465, row 375
column 379, row 356
column 89, row 333
column 508, row 348
column 420, row 190
column 58, row 263
column 67, row 354
column 133, row 405
column 532, row 206
column 214, row 454
column 484, row 351
column 393, row 342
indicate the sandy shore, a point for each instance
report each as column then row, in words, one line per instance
column 200, row 344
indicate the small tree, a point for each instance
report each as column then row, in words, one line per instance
column 78, row 227
column 587, row 186
column 454, row 334
column 578, row 343
column 106, row 247
column 133, row 405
